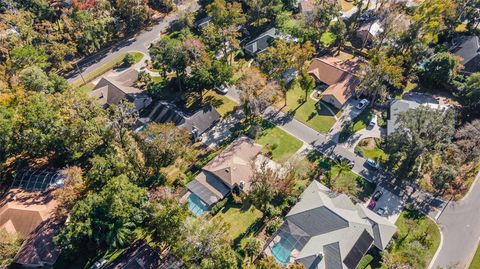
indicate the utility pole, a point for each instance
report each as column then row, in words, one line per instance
column 80, row 72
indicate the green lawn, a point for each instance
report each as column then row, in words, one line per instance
column 87, row 87
column 240, row 217
column 319, row 119
column 475, row 264
column 362, row 121
column 222, row 104
column 416, row 240
column 105, row 68
column 370, row 148
column 347, row 182
column 281, row 144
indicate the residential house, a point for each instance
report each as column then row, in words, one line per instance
column 22, row 211
column 262, row 42
column 141, row 256
column 39, row 250
column 468, row 49
column 230, row 169
column 325, row 230
column 370, row 31
column 201, row 23
column 113, row 90
column 401, row 106
column 197, row 123
column 337, row 76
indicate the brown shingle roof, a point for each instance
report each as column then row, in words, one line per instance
column 22, row 211
column 39, row 247
column 233, row 165
column 338, row 74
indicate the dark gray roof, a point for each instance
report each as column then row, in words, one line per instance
column 294, row 235
column 333, row 258
column 318, row 221
column 208, row 188
column 203, row 22
column 310, row 262
column 141, row 256
column 468, row 48
column 358, row 250
column 262, row 42
column 200, row 121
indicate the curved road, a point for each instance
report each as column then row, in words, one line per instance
column 460, row 225
column 140, row 42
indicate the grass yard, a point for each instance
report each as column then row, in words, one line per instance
column 416, row 240
column 222, row 104
column 362, row 121
column 370, row 148
column 475, row 264
column 280, row 143
column 240, row 217
column 346, row 182
column 319, row 119
column 105, row 68
column 87, row 87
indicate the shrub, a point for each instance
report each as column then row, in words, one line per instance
column 216, row 208
column 291, row 200
column 272, row 211
column 273, row 226
column 128, row 60
column 365, row 261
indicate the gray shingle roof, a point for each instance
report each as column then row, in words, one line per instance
column 262, row 42
column 327, row 227
column 468, row 48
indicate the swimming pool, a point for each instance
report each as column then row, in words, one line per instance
column 196, row 205
column 281, row 251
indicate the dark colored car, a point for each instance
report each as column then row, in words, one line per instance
column 377, row 195
column 372, row 204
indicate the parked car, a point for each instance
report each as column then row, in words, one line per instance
column 372, row 164
column 340, row 158
column 377, row 195
column 223, row 89
column 381, row 211
column 373, row 121
column 371, row 205
column 98, row 264
column 362, row 104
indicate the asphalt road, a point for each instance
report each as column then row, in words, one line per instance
column 140, row 42
column 460, row 225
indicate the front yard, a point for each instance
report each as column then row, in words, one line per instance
column 371, row 148
column 281, row 144
column 320, row 119
column 338, row 179
column 241, row 218
column 475, row 264
column 415, row 242
column 222, row 104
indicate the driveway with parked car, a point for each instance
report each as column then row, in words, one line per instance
column 385, row 203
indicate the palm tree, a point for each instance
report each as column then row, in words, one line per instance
column 342, row 167
column 120, row 234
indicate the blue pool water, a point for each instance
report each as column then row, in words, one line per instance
column 197, row 206
column 281, row 251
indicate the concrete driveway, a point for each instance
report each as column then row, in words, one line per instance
column 391, row 202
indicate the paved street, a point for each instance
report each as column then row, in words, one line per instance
column 141, row 42
column 460, row 225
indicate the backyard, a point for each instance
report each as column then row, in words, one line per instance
column 415, row 242
column 281, row 144
column 241, row 217
column 320, row 119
